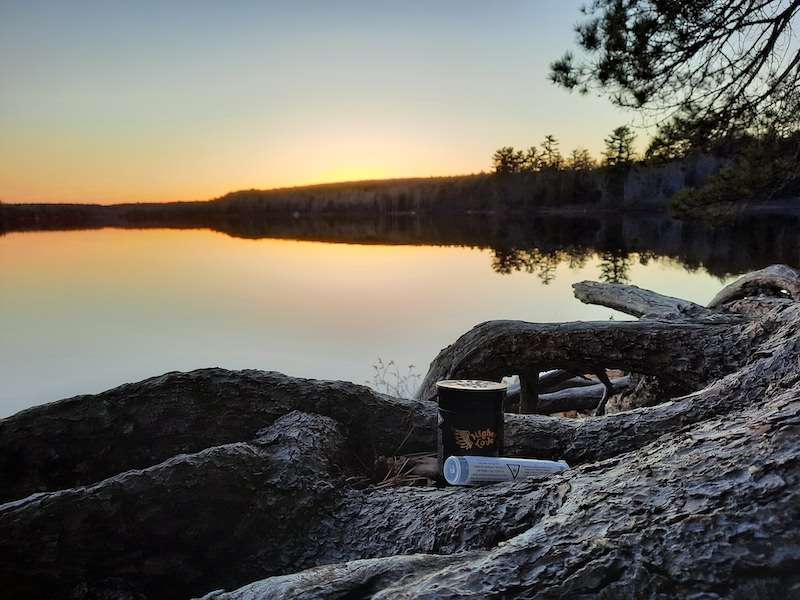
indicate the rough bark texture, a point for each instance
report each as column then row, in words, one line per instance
column 696, row 497
column 772, row 280
column 231, row 508
column 688, row 353
column 138, row 425
column 712, row 512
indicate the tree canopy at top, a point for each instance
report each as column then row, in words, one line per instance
column 703, row 68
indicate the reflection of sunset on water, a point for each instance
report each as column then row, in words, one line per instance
column 82, row 311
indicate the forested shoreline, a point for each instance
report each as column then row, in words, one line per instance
column 643, row 187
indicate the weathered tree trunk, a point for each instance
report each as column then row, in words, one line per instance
column 711, row 513
column 688, row 353
column 174, row 525
column 635, row 301
column 775, row 280
column 139, row 425
column 698, row 496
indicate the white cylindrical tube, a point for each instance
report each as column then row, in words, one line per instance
column 478, row 470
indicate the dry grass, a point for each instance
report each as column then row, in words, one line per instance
column 418, row 469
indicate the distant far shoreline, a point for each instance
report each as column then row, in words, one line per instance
column 510, row 197
column 311, row 187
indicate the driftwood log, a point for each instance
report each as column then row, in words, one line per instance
column 576, row 393
column 242, row 485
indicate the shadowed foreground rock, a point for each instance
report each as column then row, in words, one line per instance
column 695, row 497
column 85, row 439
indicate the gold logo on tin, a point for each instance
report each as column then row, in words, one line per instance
column 467, row 440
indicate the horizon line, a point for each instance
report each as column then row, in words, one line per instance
column 273, row 189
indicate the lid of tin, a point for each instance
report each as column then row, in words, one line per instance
column 472, row 385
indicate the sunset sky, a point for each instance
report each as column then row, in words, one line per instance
column 155, row 101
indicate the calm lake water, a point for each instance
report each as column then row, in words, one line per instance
column 82, row 311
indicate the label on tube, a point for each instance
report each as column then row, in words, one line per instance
column 480, row 470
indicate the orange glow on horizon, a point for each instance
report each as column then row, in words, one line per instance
column 122, row 102
column 78, row 196
column 79, row 172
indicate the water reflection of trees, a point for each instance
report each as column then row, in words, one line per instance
column 618, row 242
column 530, row 243
column 614, row 264
column 609, row 243
column 535, row 261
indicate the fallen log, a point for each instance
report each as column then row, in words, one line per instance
column 636, row 301
column 585, row 394
column 396, row 425
column 549, row 381
column 523, row 393
column 688, row 352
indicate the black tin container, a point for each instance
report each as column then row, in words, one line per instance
column 470, row 418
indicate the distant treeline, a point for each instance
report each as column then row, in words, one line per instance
column 641, row 186
column 619, row 155
column 645, row 187
column 752, row 168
